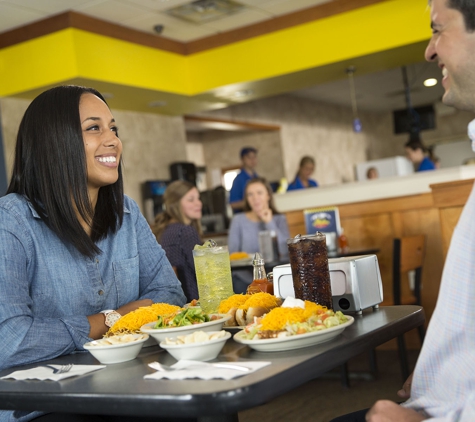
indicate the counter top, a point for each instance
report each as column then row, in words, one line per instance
column 369, row 190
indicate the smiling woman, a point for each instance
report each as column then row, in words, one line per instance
column 102, row 144
column 75, row 252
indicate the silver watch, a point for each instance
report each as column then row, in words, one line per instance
column 111, row 317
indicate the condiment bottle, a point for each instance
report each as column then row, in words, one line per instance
column 260, row 282
column 343, row 242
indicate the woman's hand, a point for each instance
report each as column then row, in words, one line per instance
column 388, row 411
column 97, row 321
column 265, row 215
column 405, row 391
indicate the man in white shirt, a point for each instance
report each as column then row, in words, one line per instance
column 443, row 386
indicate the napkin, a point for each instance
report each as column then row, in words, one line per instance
column 203, row 370
column 46, row 373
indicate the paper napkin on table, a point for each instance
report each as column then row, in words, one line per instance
column 47, row 373
column 203, row 370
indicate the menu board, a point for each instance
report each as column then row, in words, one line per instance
column 325, row 220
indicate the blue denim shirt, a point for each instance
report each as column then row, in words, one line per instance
column 47, row 288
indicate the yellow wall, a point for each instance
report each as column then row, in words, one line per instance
column 73, row 53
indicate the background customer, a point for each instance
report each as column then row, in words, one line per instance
column 259, row 214
column 178, row 230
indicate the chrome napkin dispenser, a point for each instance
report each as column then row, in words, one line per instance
column 356, row 282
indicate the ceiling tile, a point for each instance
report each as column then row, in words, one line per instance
column 12, row 16
column 158, row 5
column 173, row 28
column 239, row 19
column 112, row 10
column 50, row 6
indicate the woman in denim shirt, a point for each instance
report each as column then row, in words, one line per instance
column 71, row 244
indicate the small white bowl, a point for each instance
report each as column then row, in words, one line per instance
column 116, row 353
column 197, row 351
column 160, row 334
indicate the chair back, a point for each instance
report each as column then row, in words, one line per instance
column 408, row 255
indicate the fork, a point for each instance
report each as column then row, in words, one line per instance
column 62, row 369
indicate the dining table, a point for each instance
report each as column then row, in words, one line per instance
column 120, row 389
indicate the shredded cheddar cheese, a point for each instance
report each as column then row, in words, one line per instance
column 233, row 301
column 278, row 318
column 131, row 322
column 263, row 300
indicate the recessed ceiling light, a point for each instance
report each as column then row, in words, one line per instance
column 200, row 11
column 157, row 103
column 430, row 82
column 243, row 93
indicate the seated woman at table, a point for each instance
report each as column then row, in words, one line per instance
column 178, row 230
column 76, row 253
column 259, row 214
column 302, row 178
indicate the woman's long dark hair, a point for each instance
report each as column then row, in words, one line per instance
column 50, row 170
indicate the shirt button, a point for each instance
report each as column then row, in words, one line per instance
column 100, row 292
column 97, row 261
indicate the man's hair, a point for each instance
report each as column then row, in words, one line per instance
column 50, row 170
column 467, row 9
column 247, row 150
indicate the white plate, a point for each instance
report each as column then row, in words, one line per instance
column 159, row 334
column 293, row 342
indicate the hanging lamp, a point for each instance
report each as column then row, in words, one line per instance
column 357, row 127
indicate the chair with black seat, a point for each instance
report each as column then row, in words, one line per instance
column 408, row 256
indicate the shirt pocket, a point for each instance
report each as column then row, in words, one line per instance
column 126, row 277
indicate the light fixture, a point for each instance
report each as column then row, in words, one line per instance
column 430, row 82
column 243, row 93
column 200, row 11
column 158, row 103
column 357, row 127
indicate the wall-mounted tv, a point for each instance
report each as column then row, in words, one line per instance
column 414, row 120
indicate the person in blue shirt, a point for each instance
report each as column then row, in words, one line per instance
column 74, row 250
column 302, row 178
column 416, row 152
column 249, row 163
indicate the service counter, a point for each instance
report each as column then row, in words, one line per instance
column 374, row 212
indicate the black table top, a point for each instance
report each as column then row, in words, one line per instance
column 121, row 390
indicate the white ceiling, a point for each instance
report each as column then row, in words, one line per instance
column 377, row 91
column 143, row 15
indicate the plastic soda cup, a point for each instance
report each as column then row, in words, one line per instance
column 310, row 273
column 213, row 274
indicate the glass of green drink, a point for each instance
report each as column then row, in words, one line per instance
column 213, row 274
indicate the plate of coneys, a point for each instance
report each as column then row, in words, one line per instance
column 243, row 308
